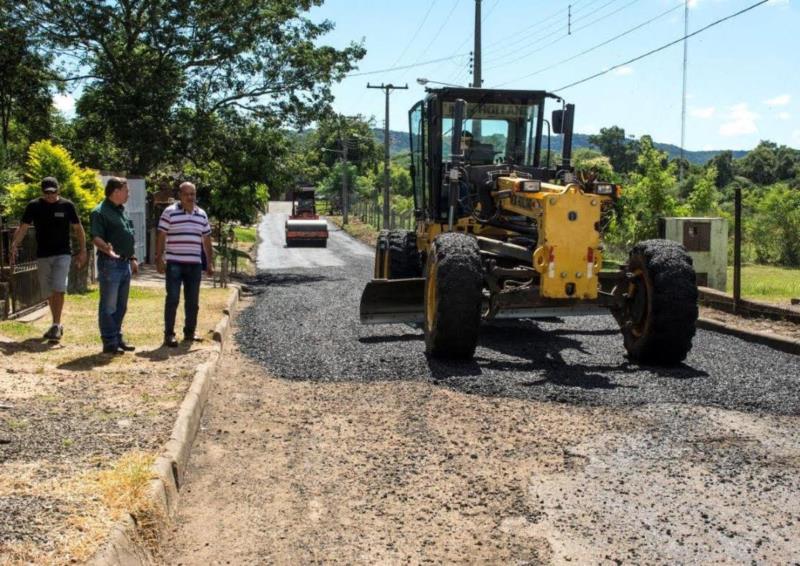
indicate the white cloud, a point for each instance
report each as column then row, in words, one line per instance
column 623, row 71
column 781, row 100
column 704, row 113
column 64, row 103
column 784, row 115
column 739, row 121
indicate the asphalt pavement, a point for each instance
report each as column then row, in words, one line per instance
column 305, row 326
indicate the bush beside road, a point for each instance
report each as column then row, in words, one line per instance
column 79, row 429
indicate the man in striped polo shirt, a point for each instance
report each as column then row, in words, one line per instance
column 183, row 234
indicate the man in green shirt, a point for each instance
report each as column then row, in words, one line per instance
column 112, row 235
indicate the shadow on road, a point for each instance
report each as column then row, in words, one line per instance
column 284, row 279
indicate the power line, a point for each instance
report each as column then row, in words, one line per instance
column 402, row 67
column 593, row 48
column 445, row 21
column 670, row 44
column 589, row 24
column 416, row 33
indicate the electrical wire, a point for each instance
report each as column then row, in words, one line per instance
column 665, row 46
column 403, row 67
column 593, row 48
column 545, row 46
column 414, row 36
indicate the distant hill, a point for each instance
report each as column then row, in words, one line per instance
column 398, row 143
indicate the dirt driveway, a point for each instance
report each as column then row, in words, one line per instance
column 394, row 472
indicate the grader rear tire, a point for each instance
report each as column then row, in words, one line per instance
column 453, row 295
column 404, row 258
column 660, row 311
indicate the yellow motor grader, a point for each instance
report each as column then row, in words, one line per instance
column 503, row 233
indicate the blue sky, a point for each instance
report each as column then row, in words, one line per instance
column 743, row 75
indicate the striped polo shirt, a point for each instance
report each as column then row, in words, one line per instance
column 184, row 233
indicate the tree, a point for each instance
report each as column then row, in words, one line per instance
column 25, row 82
column 619, row 150
column 723, row 163
column 649, row 197
column 146, row 59
column 81, row 186
column 759, row 165
column 589, row 160
column 703, row 199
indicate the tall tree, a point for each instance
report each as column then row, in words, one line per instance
column 621, row 151
column 147, row 58
column 25, row 82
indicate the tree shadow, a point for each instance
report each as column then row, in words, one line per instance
column 271, row 279
column 28, row 346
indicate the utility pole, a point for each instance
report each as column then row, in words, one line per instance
column 386, row 178
column 683, row 103
column 345, row 191
column 476, row 67
column 477, row 81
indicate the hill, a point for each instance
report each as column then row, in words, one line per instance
column 398, row 143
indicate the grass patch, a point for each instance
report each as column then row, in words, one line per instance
column 767, row 282
column 356, row 228
column 245, row 234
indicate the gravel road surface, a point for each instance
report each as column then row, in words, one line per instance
column 329, row 441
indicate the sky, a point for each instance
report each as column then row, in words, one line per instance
column 743, row 75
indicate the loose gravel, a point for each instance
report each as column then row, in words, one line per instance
column 305, row 326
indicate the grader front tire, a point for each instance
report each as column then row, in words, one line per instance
column 660, row 310
column 453, row 295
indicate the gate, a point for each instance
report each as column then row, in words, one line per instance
column 19, row 284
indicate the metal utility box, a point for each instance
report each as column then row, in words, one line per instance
column 706, row 240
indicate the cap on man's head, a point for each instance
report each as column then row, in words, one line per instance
column 49, row 185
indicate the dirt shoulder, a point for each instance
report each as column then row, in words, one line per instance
column 296, row 471
column 79, row 429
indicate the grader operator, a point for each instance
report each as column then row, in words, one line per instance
column 502, row 232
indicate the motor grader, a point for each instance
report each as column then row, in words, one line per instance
column 501, row 232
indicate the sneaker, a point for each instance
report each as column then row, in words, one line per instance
column 115, row 350
column 192, row 338
column 126, row 347
column 54, row 333
column 169, row 340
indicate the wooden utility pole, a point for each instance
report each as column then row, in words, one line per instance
column 386, row 177
column 476, row 66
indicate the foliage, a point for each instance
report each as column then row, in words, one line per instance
column 589, row 160
column 703, row 199
column 769, row 163
column 81, row 186
column 772, row 227
column 25, row 82
column 149, row 59
column 648, row 197
column 621, row 152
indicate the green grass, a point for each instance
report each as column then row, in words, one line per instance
column 768, row 283
column 245, row 234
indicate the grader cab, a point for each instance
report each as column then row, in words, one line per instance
column 504, row 232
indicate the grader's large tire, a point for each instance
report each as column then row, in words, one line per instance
column 453, row 294
column 404, row 258
column 660, row 310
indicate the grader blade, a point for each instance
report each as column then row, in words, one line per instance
column 387, row 301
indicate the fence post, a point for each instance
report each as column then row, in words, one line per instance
column 737, row 249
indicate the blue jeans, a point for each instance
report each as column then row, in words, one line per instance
column 114, row 276
column 188, row 274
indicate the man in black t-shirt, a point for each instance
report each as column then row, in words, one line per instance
column 52, row 217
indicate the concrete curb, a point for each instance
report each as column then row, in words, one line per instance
column 781, row 343
column 125, row 546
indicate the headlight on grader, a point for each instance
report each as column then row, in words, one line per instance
column 604, row 188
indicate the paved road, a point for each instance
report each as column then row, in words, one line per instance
column 330, row 442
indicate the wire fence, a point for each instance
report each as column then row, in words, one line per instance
column 19, row 283
column 370, row 212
